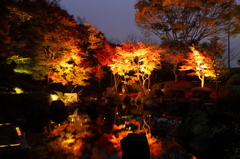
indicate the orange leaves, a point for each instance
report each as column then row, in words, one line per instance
column 104, row 143
column 138, row 58
column 179, row 23
column 134, row 62
column 181, row 2
column 200, row 64
column 178, row 26
column 155, row 145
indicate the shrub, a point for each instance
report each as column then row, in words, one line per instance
column 229, row 72
column 224, row 141
column 201, row 92
column 190, row 123
column 229, row 105
column 233, row 89
column 174, row 92
column 185, row 85
column 234, row 80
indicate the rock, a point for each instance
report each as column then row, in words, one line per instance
column 182, row 105
column 195, row 103
column 135, row 146
column 151, row 103
column 199, row 129
column 110, row 93
column 70, row 98
column 156, row 93
column 200, row 143
column 208, row 107
column 121, row 98
column 94, row 109
column 58, row 111
column 133, row 88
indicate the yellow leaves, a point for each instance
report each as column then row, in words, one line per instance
column 200, row 64
column 96, row 38
column 140, row 59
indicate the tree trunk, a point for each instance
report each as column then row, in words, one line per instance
column 143, row 87
column 39, row 83
column 176, row 77
column 217, row 89
column 149, row 83
column 202, row 81
column 48, row 82
column 228, row 49
column 115, row 83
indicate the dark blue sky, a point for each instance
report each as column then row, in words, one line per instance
column 115, row 18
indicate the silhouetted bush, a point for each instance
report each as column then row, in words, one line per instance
column 191, row 123
column 185, row 85
column 201, row 92
column 229, row 105
column 234, row 80
column 224, row 141
column 35, row 108
column 174, row 92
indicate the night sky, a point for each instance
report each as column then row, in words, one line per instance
column 115, row 18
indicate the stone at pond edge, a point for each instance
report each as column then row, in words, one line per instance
column 200, row 143
column 121, row 98
column 110, row 93
column 58, row 111
column 135, row 146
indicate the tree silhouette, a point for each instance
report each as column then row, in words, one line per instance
column 180, row 23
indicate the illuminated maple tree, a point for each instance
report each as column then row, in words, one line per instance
column 200, row 64
column 135, row 62
column 132, row 62
column 214, row 49
column 51, row 47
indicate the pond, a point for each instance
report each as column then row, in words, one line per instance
column 114, row 121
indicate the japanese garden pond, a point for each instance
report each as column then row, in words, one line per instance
column 99, row 135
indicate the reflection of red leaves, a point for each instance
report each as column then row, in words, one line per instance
column 155, row 145
column 58, row 129
column 104, row 143
column 134, row 121
column 118, row 127
column 170, row 146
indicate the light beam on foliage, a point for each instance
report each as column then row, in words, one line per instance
column 200, row 64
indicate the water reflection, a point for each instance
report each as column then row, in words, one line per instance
column 137, row 117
